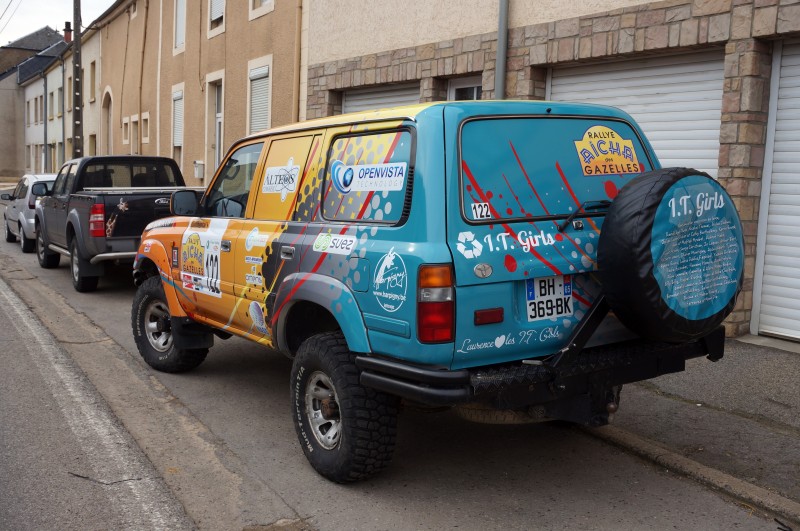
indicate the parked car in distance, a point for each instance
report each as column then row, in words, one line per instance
column 97, row 209
column 18, row 219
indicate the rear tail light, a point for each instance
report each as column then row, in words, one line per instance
column 97, row 221
column 32, row 202
column 435, row 304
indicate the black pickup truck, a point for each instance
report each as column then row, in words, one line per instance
column 97, row 210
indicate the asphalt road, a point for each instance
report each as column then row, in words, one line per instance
column 222, row 439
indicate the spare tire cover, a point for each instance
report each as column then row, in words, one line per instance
column 671, row 255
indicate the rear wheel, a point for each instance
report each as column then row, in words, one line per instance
column 26, row 243
column 152, row 331
column 9, row 235
column 47, row 258
column 81, row 282
column 347, row 431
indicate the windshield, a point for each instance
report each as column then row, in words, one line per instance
column 528, row 168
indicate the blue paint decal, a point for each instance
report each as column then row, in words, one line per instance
column 697, row 248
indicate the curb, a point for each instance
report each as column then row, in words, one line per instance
column 746, row 492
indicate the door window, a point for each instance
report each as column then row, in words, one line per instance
column 58, row 186
column 229, row 193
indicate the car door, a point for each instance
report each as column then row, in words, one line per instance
column 13, row 208
column 267, row 250
column 54, row 207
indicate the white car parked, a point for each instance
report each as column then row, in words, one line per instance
column 18, row 219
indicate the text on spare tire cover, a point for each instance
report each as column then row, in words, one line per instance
column 697, row 247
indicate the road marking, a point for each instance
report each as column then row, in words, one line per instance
column 115, row 459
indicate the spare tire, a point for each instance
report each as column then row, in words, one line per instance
column 671, row 255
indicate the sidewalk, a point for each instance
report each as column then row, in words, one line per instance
column 740, row 416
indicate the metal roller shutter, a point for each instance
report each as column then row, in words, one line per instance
column 779, row 294
column 259, row 99
column 380, row 97
column 677, row 100
column 177, row 118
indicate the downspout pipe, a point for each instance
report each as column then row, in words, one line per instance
column 44, row 117
column 502, row 47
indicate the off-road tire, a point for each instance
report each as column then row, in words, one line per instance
column 156, row 346
column 10, row 238
column 367, row 419
column 27, row 244
column 47, row 258
column 81, row 282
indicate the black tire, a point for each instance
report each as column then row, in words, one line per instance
column 355, row 435
column 26, row 243
column 47, row 258
column 671, row 255
column 150, row 321
column 80, row 281
column 10, row 238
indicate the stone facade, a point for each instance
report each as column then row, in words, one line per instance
column 745, row 28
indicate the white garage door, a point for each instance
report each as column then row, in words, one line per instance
column 380, row 97
column 677, row 101
column 776, row 305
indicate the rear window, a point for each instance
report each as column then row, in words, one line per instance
column 528, row 168
column 368, row 176
column 123, row 175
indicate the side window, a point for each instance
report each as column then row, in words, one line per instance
column 280, row 184
column 58, row 186
column 23, row 191
column 228, row 195
column 70, row 178
column 367, row 176
column 18, row 190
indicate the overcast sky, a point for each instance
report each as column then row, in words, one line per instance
column 21, row 17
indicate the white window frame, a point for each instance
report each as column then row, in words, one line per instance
column 462, row 82
column 255, row 64
column 178, row 47
column 145, row 130
column 178, row 93
column 126, row 131
column 213, row 78
column 135, row 149
column 213, row 32
column 267, row 7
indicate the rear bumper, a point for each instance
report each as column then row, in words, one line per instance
column 522, row 384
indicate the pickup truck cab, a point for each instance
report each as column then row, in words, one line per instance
column 514, row 260
column 97, row 209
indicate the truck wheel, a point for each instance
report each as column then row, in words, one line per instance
column 26, row 243
column 47, row 258
column 671, row 255
column 347, row 431
column 80, row 282
column 10, row 238
column 150, row 320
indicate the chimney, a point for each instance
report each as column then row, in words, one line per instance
column 67, row 31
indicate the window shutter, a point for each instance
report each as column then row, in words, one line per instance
column 259, row 99
column 217, row 9
column 180, row 22
column 177, row 118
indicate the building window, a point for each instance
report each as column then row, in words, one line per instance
column 92, row 79
column 36, row 110
column 51, row 98
column 28, row 113
column 28, row 157
column 177, row 124
column 464, row 88
column 92, row 145
column 41, row 108
column 259, row 116
column 180, row 25
column 126, row 130
column 134, row 135
column 60, row 101
column 216, row 17
column 70, row 90
column 259, row 8
column 145, row 128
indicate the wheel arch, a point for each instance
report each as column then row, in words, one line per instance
column 152, row 260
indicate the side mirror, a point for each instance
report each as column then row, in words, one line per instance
column 183, row 203
column 6, row 197
column 39, row 189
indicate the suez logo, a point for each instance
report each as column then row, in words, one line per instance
column 335, row 243
column 387, row 177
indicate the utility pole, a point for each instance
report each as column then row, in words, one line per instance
column 77, row 83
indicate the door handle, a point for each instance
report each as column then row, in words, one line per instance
column 225, row 245
column 287, row 253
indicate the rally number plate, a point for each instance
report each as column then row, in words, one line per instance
column 549, row 297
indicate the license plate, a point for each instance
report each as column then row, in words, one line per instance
column 548, row 297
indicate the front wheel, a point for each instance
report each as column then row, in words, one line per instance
column 152, row 331
column 26, row 243
column 10, row 238
column 347, row 431
column 47, row 258
column 80, row 281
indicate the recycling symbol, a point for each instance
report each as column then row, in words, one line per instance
column 468, row 245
